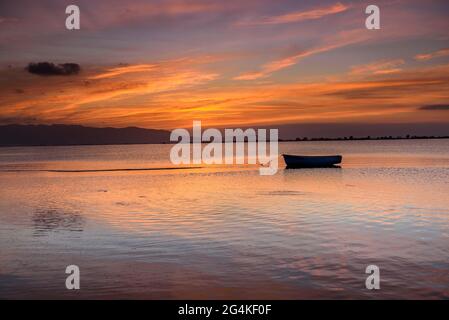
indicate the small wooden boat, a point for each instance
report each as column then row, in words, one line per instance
column 311, row 161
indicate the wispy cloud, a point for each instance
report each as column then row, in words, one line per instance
column 432, row 55
column 172, row 95
column 114, row 72
column 122, row 91
column 341, row 40
column 298, row 16
column 378, row 67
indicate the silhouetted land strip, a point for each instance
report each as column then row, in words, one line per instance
column 75, row 135
column 69, row 135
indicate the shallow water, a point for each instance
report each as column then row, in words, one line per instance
column 225, row 232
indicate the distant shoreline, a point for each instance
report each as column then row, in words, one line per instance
column 365, row 138
column 346, row 139
column 76, row 135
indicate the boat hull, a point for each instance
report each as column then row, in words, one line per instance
column 311, row 161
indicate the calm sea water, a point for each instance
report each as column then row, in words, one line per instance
column 225, row 232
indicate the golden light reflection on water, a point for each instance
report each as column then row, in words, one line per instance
column 223, row 232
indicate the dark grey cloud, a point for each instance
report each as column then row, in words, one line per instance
column 432, row 107
column 51, row 69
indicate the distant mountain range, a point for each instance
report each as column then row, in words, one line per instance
column 63, row 135
column 56, row 135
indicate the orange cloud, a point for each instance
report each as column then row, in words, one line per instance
column 114, row 72
column 77, row 99
column 298, row 16
column 378, row 67
column 341, row 40
column 172, row 94
column 433, row 55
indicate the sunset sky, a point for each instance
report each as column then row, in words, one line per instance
column 161, row 64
